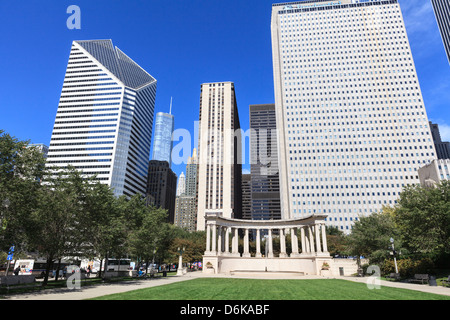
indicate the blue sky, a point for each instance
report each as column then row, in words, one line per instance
column 182, row 43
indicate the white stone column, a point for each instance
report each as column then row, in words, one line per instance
column 227, row 241
column 219, row 241
column 317, row 232
column 235, row 243
column 270, row 254
column 303, row 240
column 258, row 243
column 324, row 238
column 208, row 239
column 311, row 239
column 246, row 244
column 282, row 244
column 294, row 242
column 307, row 245
column 214, row 240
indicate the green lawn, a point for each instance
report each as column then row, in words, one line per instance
column 253, row 289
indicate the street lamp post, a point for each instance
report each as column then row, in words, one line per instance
column 180, row 262
column 393, row 253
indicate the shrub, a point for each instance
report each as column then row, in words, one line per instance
column 407, row 267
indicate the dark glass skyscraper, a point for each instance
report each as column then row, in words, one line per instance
column 265, row 185
column 442, row 148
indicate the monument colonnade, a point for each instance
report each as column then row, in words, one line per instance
column 220, row 232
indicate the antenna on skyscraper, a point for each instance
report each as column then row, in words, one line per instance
column 170, row 111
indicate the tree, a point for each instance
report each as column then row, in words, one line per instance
column 336, row 241
column 193, row 242
column 423, row 219
column 145, row 238
column 21, row 171
column 103, row 223
column 54, row 231
column 371, row 234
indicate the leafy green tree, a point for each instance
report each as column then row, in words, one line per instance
column 104, row 224
column 54, row 230
column 21, row 171
column 371, row 235
column 145, row 239
column 423, row 219
column 336, row 241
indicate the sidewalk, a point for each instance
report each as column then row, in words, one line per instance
column 105, row 289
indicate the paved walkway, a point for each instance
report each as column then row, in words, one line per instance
column 105, row 289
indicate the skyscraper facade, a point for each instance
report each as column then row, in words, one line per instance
column 181, row 187
column 246, row 196
column 162, row 142
column 186, row 203
column 442, row 147
column 265, row 183
column 353, row 128
column 442, row 12
column 191, row 175
column 162, row 187
column 103, row 124
column 219, row 153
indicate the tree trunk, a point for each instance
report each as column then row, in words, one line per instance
column 100, row 269
column 47, row 270
column 57, row 270
column 106, row 264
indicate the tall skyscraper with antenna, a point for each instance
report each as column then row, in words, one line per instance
column 162, row 143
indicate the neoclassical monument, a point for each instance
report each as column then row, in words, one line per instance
column 222, row 250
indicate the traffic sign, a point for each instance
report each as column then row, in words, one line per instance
column 9, row 257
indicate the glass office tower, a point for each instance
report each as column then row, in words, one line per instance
column 265, row 185
column 103, row 124
column 162, row 143
column 353, row 128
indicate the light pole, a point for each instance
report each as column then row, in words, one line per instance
column 180, row 262
column 393, row 253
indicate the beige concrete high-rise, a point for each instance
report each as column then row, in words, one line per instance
column 353, row 128
column 219, row 153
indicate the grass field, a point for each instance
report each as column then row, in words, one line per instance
column 253, row 289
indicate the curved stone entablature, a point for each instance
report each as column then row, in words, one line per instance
column 263, row 224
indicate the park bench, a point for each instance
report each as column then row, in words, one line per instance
column 394, row 276
column 446, row 282
column 422, row 278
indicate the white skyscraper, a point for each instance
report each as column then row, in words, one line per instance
column 353, row 129
column 220, row 165
column 181, row 187
column 104, row 120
